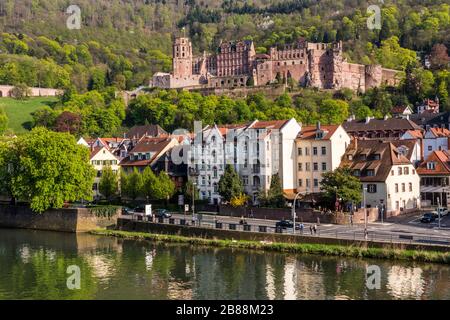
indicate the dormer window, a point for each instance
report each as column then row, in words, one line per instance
column 377, row 156
column 370, row 173
column 431, row 165
column 356, row 173
column 350, row 157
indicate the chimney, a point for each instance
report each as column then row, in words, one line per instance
column 318, row 126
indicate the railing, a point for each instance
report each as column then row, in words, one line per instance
column 358, row 235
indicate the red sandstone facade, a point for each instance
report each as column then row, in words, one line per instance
column 236, row 64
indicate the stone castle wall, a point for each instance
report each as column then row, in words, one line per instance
column 318, row 65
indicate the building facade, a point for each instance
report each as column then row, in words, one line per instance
column 100, row 158
column 236, row 64
column 319, row 150
column 390, row 181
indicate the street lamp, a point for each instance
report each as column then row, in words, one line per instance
column 193, row 201
column 294, row 214
column 365, row 212
column 439, row 212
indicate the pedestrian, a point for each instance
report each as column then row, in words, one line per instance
column 311, row 229
column 302, row 227
column 351, row 220
column 366, row 234
column 315, row 229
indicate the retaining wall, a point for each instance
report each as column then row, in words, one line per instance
column 65, row 220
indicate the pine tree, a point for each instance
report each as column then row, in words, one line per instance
column 230, row 185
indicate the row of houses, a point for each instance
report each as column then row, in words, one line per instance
column 387, row 155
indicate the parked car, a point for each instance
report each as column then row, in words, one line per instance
column 126, row 211
column 287, row 224
column 444, row 212
column 162, row 213
column 428, row 217
column 139, row 211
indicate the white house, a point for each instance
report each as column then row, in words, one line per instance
column 390, row 181
column 100, row 158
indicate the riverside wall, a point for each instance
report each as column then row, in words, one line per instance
column 65, row 220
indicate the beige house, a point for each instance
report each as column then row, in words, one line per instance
column 100, row 158
column 319, row 150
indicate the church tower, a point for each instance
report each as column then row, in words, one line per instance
column 182, row 58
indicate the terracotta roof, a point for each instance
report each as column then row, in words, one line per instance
column 276, row 124
column 365, row 155
column 408, row 143
column 94, row 151
column 442, row 164
column 418, row 134
column 309, row 132
column 399, row 109
column 380, row 125
column 440, row 132
column 147, row 145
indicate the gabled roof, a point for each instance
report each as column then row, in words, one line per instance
column 400, row 109
column 442, row 164
column 309, row 132
column 154, row 146
column 410, row 144
column 151, row 130
column 417, row 134
column 380, row 125
column 97, row 150
column 364, row 157
column 276, row 124
column 440, row 132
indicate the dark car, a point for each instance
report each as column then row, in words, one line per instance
column 287, row 224
column 162, row 213
column 428, row 218
column 126, row 211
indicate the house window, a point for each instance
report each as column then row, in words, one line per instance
column 396, row 188
column 392, row 172
column 300, row 167
column 403, row 187
column 316, row 183
column 324, row 151
column 400, row 171
column 356, row 173
column 431, row 165
column 308, row 166
column 372, row 188
column 406, row 170
column 324, row 166
column 430, row 148
column 307, row 183
column 410, row 187
column 370, row 173
column 300, row 183
column 306, row 151
column 315, row 151
column 300, row 151
column 316, row 166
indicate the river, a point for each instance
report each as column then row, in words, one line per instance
column 34, row 265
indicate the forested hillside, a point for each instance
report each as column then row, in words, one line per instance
column 123, row 42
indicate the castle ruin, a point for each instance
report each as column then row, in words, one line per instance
column 236, row 64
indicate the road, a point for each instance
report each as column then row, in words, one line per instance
column 399, row 230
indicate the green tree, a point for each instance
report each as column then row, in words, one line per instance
column 230, row 185
column 21, row 92
column 49, row 168
column 3, row 120
column 166, row 187
column 131, row 185
column 149, row 184
column 333, row 111
column 109, row 183
column 340, row 183
column 275, row 195
column 190, row 189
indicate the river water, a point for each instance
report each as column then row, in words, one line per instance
column 34, row 265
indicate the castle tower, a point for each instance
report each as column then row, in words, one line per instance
column 182, row 58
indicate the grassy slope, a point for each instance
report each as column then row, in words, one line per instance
column 297, row 248
column 19, row 112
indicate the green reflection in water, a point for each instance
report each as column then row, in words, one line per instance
column 33, row 266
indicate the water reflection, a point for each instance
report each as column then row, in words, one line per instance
column 33, row 266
